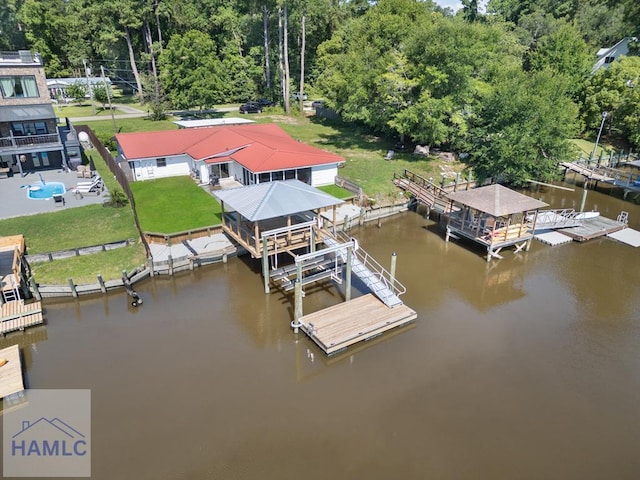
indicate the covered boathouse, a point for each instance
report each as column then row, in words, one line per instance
column 493, row 216
column 283, row 217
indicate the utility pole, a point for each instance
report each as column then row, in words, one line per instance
column 106, row 87
column 87, row 72
column 604, row 117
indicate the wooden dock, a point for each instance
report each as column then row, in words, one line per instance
column 339, row 326
column 17, row 315
column 593, row 228
column 11, row 372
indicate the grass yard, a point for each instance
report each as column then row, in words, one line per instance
column 104, row 128
column 363, row 152
column 175, row 204
column 82, row 110
column 84, row 269
column 585, row 147
column 336, row 191
column 73, row 227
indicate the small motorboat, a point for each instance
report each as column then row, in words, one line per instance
column 585, row 215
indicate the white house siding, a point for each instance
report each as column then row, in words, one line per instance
column 235, row 170
column 323, row 175
column 147, row 169
column 608, row 56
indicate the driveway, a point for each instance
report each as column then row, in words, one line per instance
column 14, row 201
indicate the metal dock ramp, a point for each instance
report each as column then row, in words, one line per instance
column 382, row 287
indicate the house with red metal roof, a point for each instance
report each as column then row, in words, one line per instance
column 251, row 154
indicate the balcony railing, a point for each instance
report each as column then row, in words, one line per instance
column 29, row 140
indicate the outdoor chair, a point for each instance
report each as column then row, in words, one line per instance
column 84, row 171
column 390, row 155
column 59, row 200
column 94, row 186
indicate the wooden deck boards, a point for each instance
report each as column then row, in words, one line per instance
column 339, row 326
column 593, row 228
column 17, row 315
column 11, row 373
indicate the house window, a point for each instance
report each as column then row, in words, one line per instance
column 277, row 176
column 29, row 128
column 304, row 175
column 161, row 162
column 19, row 86
column 264, row 177
column 608, row 60
column 289, row 174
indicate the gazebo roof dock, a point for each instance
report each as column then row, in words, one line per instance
column 284, row 207
column 282, row 217
column 494, row 217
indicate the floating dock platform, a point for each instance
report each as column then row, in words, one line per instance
column 11, row 372
column 335, row 328
column 553, row 238
column 628, row 236
column 593, row 228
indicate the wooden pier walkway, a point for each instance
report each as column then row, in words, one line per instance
column 17, row 315
column 425, row 191
column 337, row 327
column 598, row 174
column 11, row 372
column 625, row 179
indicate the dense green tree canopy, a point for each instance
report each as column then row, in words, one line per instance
column 192, row 75
column 403, row 67
column 521, row 129
column 615, row 90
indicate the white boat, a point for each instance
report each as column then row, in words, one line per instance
column 585, row 215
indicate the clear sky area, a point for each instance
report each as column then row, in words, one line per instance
column 456, row 5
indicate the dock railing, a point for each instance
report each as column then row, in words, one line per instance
column 382, row 274
column 426, row 192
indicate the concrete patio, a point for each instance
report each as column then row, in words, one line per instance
column 14, row 200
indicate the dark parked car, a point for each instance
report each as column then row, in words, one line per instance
column 317, row 103
column 251, row 107
column 264, row 102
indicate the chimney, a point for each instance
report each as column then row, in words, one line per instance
column 25, row 425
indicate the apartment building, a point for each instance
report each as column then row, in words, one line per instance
column 30, row 138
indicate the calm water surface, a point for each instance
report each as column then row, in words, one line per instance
column 526, row 368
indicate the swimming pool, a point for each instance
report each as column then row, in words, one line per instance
column 44, row 191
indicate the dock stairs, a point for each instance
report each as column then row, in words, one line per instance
column 374, row 276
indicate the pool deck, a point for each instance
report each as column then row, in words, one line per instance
column 15, row 202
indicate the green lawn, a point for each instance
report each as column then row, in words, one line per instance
column 82, row 110
column 585, row 147
column 84, row 269
column 175, row 204
column 73, row 227
column 104, row 128
column 336, row 191
column 363, row 153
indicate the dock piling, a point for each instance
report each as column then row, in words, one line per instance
column 103, row 288
column 394, row 258
column 74, row 292
column 297, row 306
column 347, row 294
column 34, row 288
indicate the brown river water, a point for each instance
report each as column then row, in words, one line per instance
column 524, row 368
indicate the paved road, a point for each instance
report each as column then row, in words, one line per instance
column 131, row 112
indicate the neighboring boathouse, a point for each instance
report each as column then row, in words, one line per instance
column 493, row 216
